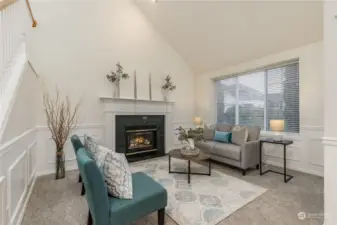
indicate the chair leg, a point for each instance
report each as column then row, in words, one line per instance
column 89, row 219
column 257, row 166
column 244, row 172
column 79, row 178
column 83, row 190
column 161, row 216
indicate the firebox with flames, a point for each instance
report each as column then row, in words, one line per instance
column 139, row 142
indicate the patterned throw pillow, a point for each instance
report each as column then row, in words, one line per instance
column 116, row 172
column 91, row 145
column 239, row 135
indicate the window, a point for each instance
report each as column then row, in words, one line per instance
column 254, row 98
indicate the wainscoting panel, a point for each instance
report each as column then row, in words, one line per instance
column 46, row 147
column 17, row 184
column 31, row 161
column 3, row 204
column 305, row 155
column 17, row 165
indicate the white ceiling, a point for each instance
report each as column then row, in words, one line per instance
column 213, row 35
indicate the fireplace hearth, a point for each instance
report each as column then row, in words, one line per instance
column 140, row 136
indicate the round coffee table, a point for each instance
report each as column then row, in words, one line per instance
column 203, row 156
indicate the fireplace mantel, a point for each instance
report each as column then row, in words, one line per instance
column 137, row 106
column 104, row 99
column 124, row 106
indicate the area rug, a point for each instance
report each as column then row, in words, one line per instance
column 207, row 200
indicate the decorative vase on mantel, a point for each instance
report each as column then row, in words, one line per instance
column 166, row 94
column 116, row 89
column 115, row 78
column 167, row 87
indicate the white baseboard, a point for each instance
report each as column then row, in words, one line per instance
column 49, row 172
column 309, row 169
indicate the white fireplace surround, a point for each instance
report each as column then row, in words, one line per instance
column 123, row 106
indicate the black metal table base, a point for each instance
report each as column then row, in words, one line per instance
column 189, row 173
column 286, row 176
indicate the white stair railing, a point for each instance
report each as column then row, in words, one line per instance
column 14, row 23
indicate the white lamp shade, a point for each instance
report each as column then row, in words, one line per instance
column 197, row 120
column 276, row 125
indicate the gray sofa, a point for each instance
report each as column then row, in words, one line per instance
column 243, row 157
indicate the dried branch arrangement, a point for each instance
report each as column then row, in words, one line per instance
column 61, row 120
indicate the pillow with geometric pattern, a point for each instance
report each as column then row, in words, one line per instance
column 90, row 144
column 116, row 172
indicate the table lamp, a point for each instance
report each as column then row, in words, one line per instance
column 277, row 126
column 198, row 121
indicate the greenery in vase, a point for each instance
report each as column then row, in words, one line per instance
column 118, row 75
column 195, row 134
column 168, row 85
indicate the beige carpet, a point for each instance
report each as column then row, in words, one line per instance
column 59, row 202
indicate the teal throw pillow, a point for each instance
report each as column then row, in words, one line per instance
column 222, row 136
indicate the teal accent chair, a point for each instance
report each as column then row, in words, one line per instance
column 77, row 144
column 148, row 196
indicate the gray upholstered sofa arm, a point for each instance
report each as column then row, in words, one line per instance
column 250, row 154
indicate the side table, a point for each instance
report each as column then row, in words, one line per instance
column 285, row 143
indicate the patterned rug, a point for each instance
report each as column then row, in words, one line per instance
column 207, row 200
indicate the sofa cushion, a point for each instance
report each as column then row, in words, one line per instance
column 227, row 150
column 209, row 132
column 223, row 127
column 148, row 196
column 224, row 137
column 206, row 145
column 239, row 135
column 253, row 133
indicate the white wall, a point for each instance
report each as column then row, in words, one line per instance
column 78, row 42
column 306, row 154
column 23, row 114
column 330, row 120
column 18, row 151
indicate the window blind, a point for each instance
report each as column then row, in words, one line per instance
column 256, row 97
column 251, row 99
column 226, row 101
column 283, row 96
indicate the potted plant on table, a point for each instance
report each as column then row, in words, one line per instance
column 116, row 77
column 61, row 120
column 190, row 137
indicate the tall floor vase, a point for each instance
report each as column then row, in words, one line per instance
column 60, row 165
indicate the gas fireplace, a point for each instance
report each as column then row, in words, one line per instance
column 140, row 139
column 140, row 136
